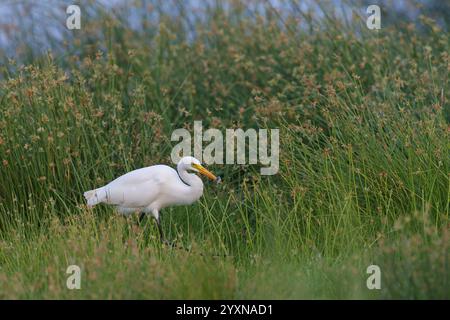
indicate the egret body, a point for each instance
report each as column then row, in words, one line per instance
column 148, row 190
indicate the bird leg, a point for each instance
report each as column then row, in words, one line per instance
column 141, row 217
column 161, row 234
column 158, row 223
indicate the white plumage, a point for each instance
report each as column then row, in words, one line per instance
column 150, row 189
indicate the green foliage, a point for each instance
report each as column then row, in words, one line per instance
column 364, row 164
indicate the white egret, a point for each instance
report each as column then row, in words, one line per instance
column 148, row 190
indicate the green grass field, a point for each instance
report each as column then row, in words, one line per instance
column 364, row 121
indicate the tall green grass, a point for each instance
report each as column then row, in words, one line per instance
column 364, row 164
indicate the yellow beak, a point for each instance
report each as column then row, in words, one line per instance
column 204, row 172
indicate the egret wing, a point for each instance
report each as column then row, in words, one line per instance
column 138, row 188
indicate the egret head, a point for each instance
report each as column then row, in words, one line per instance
column 192, row 164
